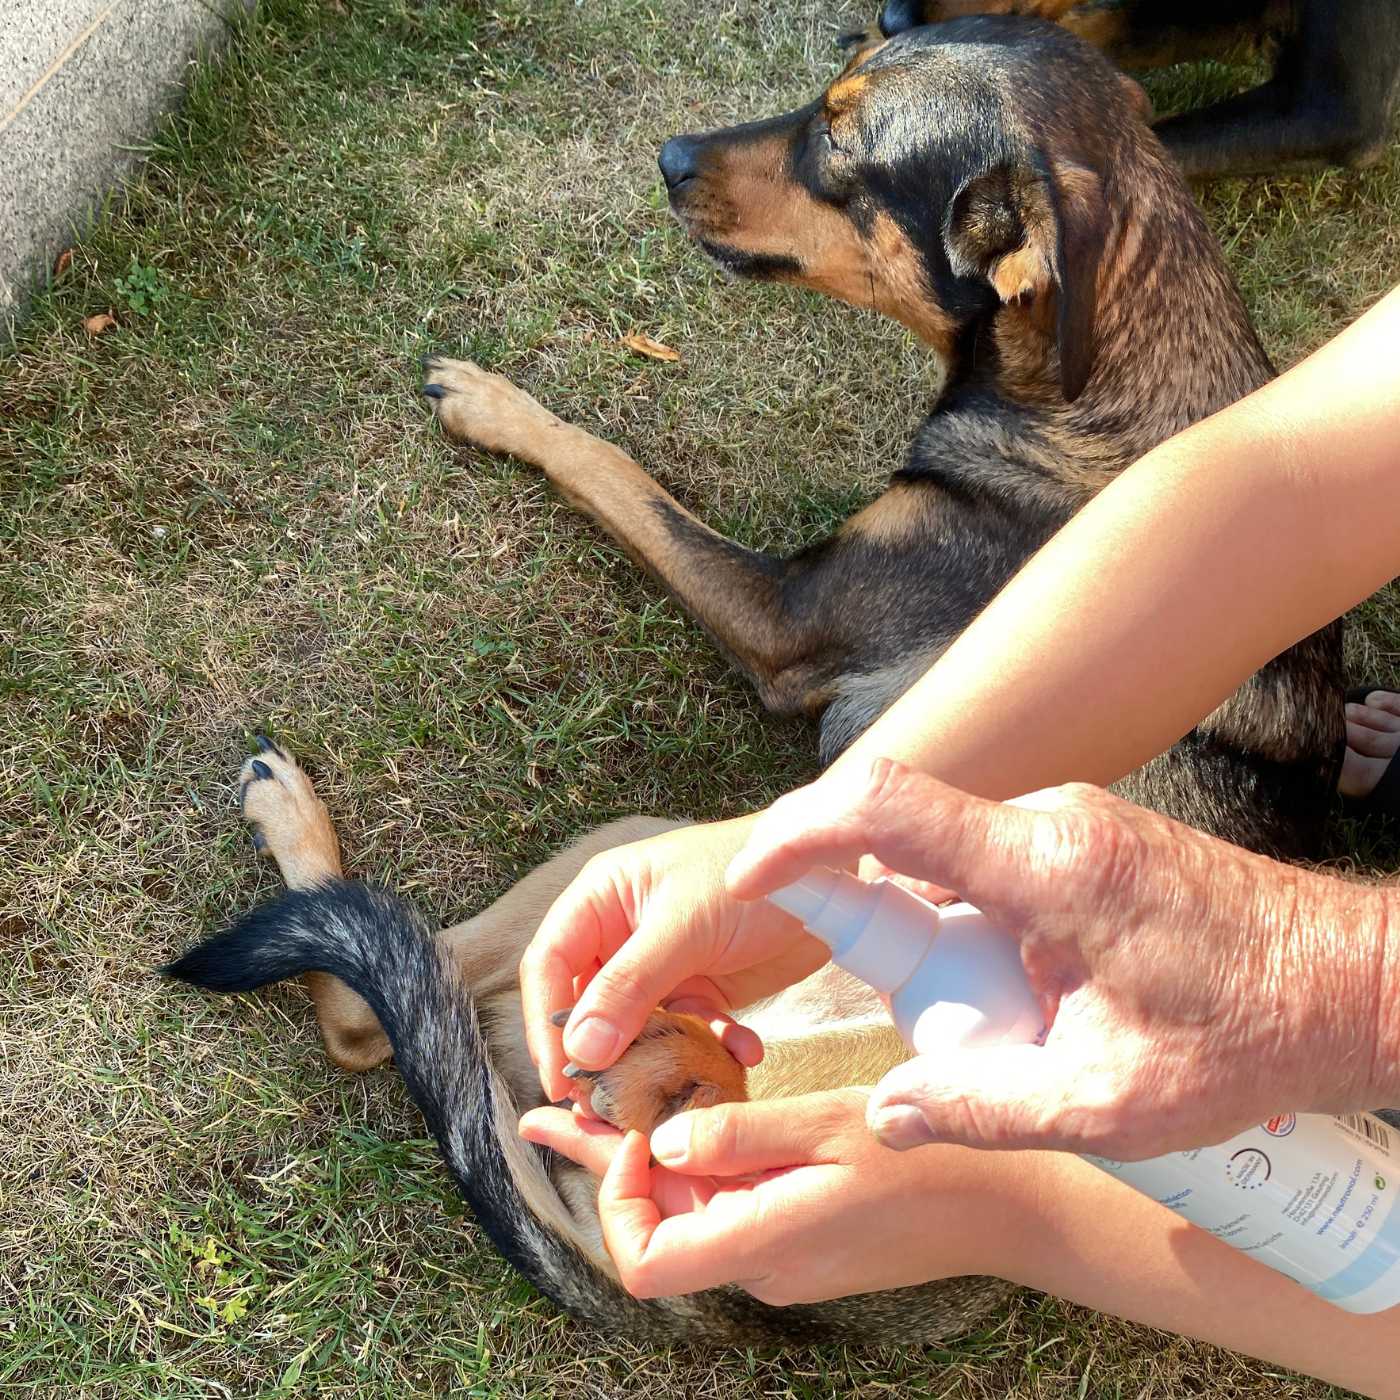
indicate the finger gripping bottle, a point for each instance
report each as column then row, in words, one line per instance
column 952, row 977
column 1313, row 1196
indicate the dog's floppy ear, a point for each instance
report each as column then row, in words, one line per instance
column 859, row 45
column 1036, row 232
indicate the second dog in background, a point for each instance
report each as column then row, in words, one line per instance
column 1328, row 101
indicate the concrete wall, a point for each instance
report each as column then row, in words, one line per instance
column 81, row 83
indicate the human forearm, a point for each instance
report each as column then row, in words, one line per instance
column 844, row 1216
column 1335, row 972
column 1201, row 562
column 1099, row 1243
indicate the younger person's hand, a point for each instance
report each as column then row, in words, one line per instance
column 648, row 925
column 789, row 1199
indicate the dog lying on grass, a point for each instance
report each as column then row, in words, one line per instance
column 993, row 184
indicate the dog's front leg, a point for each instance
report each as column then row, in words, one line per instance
column 737, row 595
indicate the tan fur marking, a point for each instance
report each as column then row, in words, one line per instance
column 892, row 519
column 1026, row 272
column 867, row 46
column 847, row 91
column 748, row 203
column 675, row 1064
column 882, row 274
column 826, row 1060
column 1100, row 27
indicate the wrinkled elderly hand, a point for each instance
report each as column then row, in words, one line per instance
column 1191, row 988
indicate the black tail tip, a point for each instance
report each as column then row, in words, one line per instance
column 209, row 965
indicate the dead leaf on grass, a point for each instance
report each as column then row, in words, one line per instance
column 640, row 344
column 65, row 259
column 103, row 321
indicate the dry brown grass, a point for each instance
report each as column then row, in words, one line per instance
column 232, row 514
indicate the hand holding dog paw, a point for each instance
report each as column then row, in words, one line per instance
column 790, row 1199
column 649, row 925
column 1191, row 988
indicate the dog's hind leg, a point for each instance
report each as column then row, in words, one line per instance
column 291, row 826
column 1329, row 102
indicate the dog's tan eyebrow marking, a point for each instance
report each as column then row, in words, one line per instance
column 845, row 93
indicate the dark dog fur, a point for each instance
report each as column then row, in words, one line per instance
column 993, row 184
column 1329, row 101
column 990, row 182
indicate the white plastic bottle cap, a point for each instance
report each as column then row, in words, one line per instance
column 878, row 932
column 808, row 895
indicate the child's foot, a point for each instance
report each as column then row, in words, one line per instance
column 1373, row 740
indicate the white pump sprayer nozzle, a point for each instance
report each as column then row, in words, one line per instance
column 952, row 978
column 807, row 896
column 878, row 932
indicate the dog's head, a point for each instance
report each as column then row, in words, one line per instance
column 947, row 171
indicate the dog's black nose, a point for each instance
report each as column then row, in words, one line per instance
column 679, row 160
column 899, row 15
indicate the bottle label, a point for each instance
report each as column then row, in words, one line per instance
column 1316, row 1198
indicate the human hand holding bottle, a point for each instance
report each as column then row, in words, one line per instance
column 1191, row 988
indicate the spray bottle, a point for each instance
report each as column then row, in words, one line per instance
column 1315, row 1197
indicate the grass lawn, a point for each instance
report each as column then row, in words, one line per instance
column 230, row 512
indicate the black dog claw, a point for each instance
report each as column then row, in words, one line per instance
column 572, row 1071
column 434, row 391
column 265, row 745
column 560, row 1018
column 261, row 769
column 259, row 841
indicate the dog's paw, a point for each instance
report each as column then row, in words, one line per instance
column 486, row 409
column 676, row 1063
column 290, row 823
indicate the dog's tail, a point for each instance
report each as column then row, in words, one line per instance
column 384, row 950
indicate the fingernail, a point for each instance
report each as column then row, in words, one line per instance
column 593, row 1041
column 671, row 1141
column 901, row 1128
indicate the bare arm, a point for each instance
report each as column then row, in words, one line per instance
column 1211, row 555
column 1215, row 552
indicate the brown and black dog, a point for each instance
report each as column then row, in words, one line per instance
column 993, row 184
column 1329, row 100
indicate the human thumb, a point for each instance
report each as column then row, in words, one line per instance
column 1005, row 1097
column 733, row 1139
